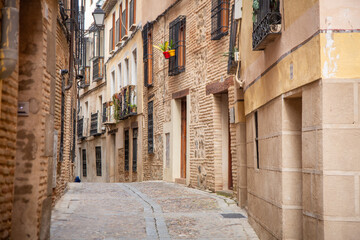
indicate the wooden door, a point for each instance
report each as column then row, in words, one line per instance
column 230, row 179
column 183, row 138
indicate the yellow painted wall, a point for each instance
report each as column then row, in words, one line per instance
column 299, row 27
column 340, row 55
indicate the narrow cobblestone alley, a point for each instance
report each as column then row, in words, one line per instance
column 147, row 210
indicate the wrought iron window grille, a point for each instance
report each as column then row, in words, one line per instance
column 267, row 24
column 150, row 128
column 98, row 161
column 177, row 33
column 219, row 19
column 127, row 146
column 84, row 165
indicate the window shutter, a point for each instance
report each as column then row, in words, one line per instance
column 145, row 53
column 233, row 32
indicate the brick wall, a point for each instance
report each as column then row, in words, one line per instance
column 204, row 65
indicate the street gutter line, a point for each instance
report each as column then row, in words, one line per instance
column 153, row 219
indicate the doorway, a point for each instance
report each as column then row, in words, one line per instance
column 183, row 138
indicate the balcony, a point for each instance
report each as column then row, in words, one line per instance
column 125, row 103
column 267, row 25
column 98, row 69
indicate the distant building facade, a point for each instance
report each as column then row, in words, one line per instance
column 38, row 106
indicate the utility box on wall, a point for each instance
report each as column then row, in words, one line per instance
column 238, row 9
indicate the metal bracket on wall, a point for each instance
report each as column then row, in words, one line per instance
column 23, row 109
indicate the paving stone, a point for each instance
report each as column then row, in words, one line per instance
column 146, row 210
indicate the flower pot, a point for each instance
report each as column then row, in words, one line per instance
column 172, row 52
column 166, row 55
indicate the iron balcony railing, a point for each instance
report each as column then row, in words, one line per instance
column 124, row 103
column 98, row 69
column 267, row 25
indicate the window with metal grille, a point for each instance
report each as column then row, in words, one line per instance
column 147, row 54
column 135, row 136
column 126, row 160
column 98, row 160
column 84, row 167
column 233, row 31
column 177, row 34
column 150, row 128
column 219, row 18
column 257, row 140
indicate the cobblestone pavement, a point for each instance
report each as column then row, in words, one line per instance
column 146, row 210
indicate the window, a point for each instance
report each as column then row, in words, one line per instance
column 126, row 73
column 132, row 20
column 104, row 117
column 121, row 22
column 126, row 161
column 135, row 136
column 148, row 54
column 232, row 66
column 123, row 25
column 119, row 78
column 177, row 35
column 84, row 163
column 150, row 128
column 112, row 35
column 112, row 86
column 219, row 18
column 257, row 140
column 98, row 161
column 134, row 68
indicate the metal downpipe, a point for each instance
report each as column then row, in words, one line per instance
column 9, row 39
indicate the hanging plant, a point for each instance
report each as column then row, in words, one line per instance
column 171, row 48
column 256, row 7
column 164, row 48
column 117, row 108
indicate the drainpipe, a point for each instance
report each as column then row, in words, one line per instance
column 9, row 38
column 71, row 49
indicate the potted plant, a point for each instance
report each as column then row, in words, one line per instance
column 133, row 108
column 164, row 48
column 171, row 48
